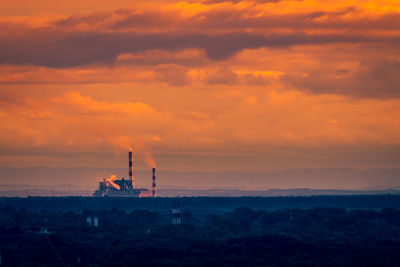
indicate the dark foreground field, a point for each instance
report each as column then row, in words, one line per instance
column 288, row 231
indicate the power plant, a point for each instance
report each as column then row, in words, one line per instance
column 111, row 187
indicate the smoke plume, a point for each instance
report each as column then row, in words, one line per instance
column 141, row 148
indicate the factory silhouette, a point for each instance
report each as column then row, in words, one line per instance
column 111, row 187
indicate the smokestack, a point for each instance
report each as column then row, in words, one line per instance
column 154, row 183
column 131, row 169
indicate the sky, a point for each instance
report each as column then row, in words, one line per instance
column 200, row 85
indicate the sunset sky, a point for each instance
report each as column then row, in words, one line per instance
column 200, row 85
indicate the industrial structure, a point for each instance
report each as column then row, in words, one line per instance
column 176, row 214
column 44, row 229
column 111, row 187
column 92, row 221
column 154, row 183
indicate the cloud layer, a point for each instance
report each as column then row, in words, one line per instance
column 169, row 41
column 228, row 80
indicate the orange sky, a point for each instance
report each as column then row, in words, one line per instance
column 202, row 85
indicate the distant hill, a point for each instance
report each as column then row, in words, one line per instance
column 58, row 191
column 83, row 180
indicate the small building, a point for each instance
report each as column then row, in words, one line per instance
column 176, row 214
column 92, row 221
column 89, row 221
column 96, row 222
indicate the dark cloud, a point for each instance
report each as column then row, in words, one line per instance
column 193, row 58
column 172, row 74
column 256, row 80
column 52, row 48
column 223, row 75
column 91, row 19
column 219, row 34
column 372, row 79
column 348, row 18
column 144, row 20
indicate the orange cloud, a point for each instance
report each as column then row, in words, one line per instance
column 87, row 104
column 220, row 31
column 274, row 119
column 227, row 78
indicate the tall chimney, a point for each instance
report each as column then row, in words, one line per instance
column 131, row 169
column 154, row 183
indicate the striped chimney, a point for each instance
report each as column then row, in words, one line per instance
column 131, row 169
column 154, row 183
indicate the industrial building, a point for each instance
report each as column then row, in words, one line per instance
column 111, row 187
column 176, row 214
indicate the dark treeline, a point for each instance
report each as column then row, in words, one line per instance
column 239, row 237
column 209, row 203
